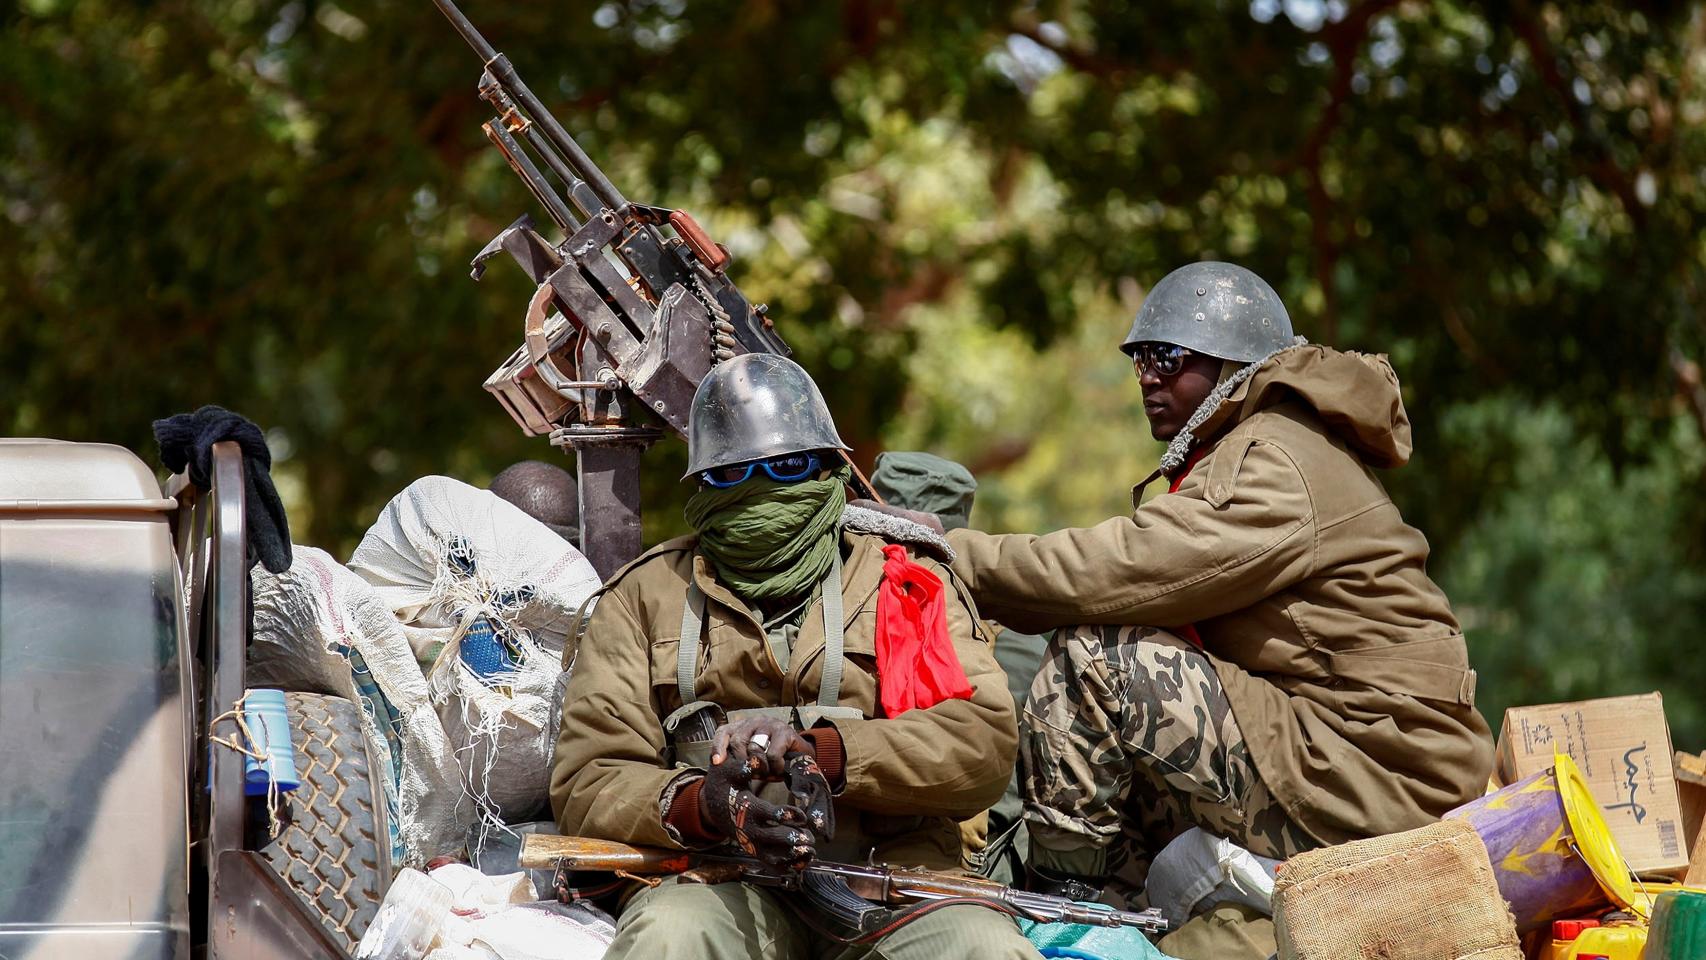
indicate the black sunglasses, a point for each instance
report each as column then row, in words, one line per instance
column 1166, row 359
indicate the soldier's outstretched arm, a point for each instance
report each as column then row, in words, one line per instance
column 1180, row 558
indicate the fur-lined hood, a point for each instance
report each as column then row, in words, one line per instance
column 1355, row 394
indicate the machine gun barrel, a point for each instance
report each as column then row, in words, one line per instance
column 536, row 183
column 646, row 303
column 505, row 74
column 900, row 885
column 469, row 32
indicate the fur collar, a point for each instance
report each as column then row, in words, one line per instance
column 897, row 530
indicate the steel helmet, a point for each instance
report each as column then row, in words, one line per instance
column 753, row 407
column 1218, row 309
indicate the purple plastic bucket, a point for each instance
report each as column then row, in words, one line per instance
column 1536, row 859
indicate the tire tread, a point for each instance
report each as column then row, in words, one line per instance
column 336, row 853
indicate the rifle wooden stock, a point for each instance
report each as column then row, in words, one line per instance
column 882, row 884
column 543, row 851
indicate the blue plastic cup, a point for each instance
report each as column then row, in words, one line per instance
column 269, row 724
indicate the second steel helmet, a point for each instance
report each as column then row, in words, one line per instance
column 1212, row 308
column 754, row 407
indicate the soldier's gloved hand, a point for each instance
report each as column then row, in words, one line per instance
column 779, row 836
column 811, row 793
column 765, row 739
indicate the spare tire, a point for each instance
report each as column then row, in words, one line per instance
column 336, row 852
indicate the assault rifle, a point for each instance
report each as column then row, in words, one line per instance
column 643, row 306
column 860, row 900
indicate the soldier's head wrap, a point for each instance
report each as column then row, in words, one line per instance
column 768, row 540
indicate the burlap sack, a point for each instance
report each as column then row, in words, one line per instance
column 1425, row 894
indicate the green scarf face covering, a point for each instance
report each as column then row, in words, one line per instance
column 769, row 540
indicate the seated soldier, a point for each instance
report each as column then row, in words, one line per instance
column 750, row 653
column 1258, row 651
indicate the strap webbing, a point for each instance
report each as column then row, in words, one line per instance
column 781, row 638
column 829, row 688
column 687, row 648
column 693, row 622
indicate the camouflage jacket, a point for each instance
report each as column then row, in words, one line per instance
column 908, row 779
column 1344, row 664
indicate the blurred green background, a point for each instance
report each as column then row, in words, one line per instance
column 953, row 208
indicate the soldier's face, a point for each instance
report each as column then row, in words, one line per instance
column 1169, row 401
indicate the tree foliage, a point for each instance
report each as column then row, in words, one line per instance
column 952, row 207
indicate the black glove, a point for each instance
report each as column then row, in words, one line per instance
column 810, row 791
column 186, row 441
column 778, row 836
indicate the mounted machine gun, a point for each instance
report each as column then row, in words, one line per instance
column 643, row 309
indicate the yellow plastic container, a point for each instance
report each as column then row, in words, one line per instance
column 1612, row 943
column 1646, row 893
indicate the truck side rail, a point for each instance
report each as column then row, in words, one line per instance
column 250, row 912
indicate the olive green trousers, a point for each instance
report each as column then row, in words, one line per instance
column 738, row 921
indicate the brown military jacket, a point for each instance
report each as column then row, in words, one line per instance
column 909, row 779
column 1344, row 664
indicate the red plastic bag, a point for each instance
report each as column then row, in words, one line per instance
column 915, row 659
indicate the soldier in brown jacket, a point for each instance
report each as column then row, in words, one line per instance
column 1259, row 651
column 749, row 652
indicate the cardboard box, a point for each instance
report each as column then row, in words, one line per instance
column 1691, row 790
column 1623, row 746
column 1696, row 876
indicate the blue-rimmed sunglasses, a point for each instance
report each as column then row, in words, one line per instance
column 789, row 468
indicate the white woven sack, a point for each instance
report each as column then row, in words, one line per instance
column 303, row 618
column 444, row 554
column 1198, row 871
column 404, row 557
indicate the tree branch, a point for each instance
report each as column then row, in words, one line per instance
column 1604, row 171
column 1690, row 387
column 1086, row 61
column 1444, row 288
column 1343, row 41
